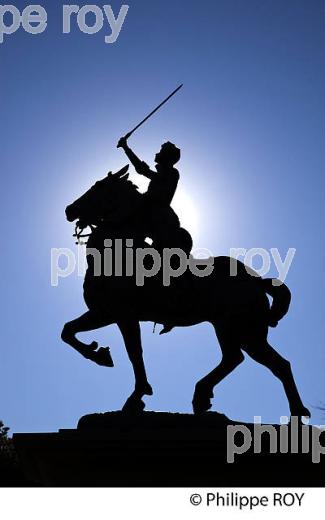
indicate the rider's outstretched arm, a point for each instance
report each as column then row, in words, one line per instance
column 140, row 166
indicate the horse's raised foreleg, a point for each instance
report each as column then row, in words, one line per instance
column 231, row 358
column 281, row 368
column 88, row 321
column 131, row 332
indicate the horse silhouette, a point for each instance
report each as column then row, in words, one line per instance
column 238, row 306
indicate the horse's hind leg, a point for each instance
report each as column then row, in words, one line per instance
column 88, row 321
column 281, row 368
column 231, row 358
column 131, row 333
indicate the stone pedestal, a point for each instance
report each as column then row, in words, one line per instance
column 157, row 449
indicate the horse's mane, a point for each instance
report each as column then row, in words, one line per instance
column 127, row 186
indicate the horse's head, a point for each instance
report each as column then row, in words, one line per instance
column 102, row 200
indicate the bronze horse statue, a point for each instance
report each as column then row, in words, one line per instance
column 237, row 306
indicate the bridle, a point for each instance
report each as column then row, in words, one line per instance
column 79, row 232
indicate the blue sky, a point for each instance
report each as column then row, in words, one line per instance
column 250, row 122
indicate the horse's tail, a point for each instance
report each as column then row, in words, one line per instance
column 281, row 296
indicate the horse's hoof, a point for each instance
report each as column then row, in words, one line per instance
column 133, row 405
column 201, row 400
column 101, row 357
column 201, row 406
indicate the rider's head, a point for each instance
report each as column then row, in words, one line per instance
column 168, row 155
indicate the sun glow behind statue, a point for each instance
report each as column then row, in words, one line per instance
column 187, row 212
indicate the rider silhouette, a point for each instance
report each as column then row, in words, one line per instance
column 158, row 198
column 163, row 182
column 162, row 187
